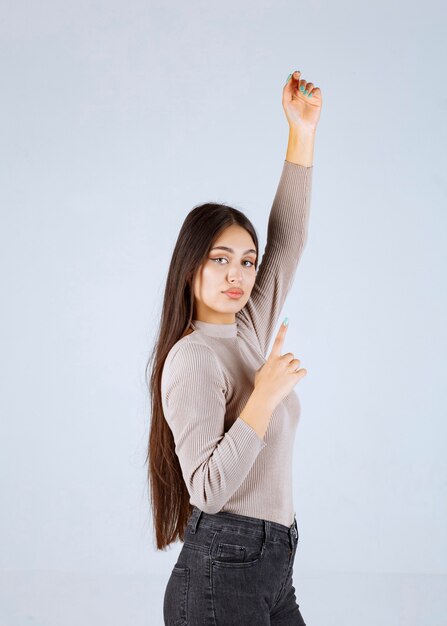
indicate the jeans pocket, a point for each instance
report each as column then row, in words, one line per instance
column 231, row 548
column 175, row 603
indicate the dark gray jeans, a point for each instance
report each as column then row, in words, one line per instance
column 233, row 570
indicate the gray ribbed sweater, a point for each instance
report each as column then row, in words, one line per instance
column 208, row 378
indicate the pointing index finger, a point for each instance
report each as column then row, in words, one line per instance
column 280, row 336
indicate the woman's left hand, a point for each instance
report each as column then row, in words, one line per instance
column 301, row 102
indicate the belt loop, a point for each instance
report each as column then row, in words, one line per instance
column 196, row 514
column 266, row 535
column 296, row 528
column 293, row 530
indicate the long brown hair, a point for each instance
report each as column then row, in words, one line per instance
column 169, row 496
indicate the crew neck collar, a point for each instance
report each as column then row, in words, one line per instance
column 215, row 330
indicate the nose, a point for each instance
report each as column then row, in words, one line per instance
column 235, row 275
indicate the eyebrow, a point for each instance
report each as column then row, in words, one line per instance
column 231, row 249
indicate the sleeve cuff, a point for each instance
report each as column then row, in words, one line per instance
column 247, row 435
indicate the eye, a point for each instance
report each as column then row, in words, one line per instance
column 222, row 257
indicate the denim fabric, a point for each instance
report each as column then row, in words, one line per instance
column 233, row 570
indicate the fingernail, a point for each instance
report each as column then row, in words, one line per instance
column 288, row 77
column 286, row 321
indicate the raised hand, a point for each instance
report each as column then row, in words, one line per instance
column 301, row 102
column 280, row 373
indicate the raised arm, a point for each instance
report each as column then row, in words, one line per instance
column 289, row 215
column 286, row 237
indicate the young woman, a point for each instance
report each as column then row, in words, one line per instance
column 224, row 414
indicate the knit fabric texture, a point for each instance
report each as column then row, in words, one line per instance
column 208, row 377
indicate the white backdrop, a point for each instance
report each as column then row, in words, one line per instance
column 117, row 119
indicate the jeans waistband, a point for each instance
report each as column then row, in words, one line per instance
column 255, row 525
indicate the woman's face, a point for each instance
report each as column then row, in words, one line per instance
column 223, row 270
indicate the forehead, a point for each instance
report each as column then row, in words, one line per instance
column 235, row 238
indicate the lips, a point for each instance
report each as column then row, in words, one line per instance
column 235, row 292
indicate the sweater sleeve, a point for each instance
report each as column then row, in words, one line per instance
column 286, row 238
column 214, row 463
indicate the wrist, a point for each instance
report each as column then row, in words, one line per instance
column 261, row 401
column 300, row 145
column 302, row 129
